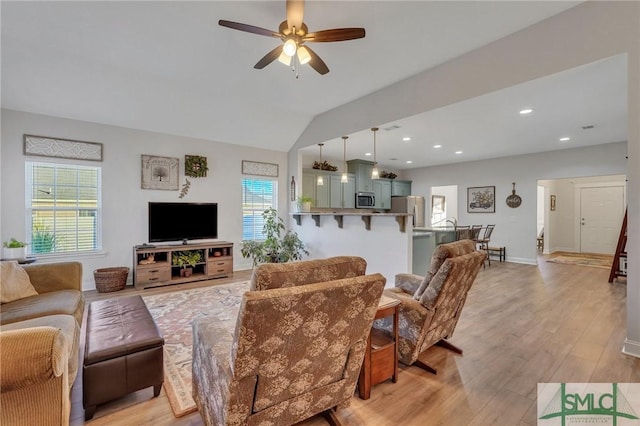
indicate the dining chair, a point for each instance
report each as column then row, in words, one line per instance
column 484, row 241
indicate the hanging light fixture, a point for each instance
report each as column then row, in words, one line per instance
column 320, row 181
column 345, row 178
column 374, row 171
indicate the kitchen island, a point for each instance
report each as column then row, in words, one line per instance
column 425, row 241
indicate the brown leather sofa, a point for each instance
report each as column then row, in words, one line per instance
column 39, row 338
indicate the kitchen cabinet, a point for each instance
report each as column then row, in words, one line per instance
column 362, row 170
column 382, row 191
column 400, row 188
column 310, row 187
column 334, row 193
column 342, row 195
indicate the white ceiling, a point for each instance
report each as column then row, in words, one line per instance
column 168, row 67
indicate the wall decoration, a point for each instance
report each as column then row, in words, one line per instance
column 259, row 169
column 185, row 188
column 195, row 166
column 160, row 172
column 481, row 199
column 293, row 188
column 514, row 200
column 553, row 203
column 43, row 146
column 437, row 204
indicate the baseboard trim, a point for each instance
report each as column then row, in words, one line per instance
column 631, row 347
column 522, row 260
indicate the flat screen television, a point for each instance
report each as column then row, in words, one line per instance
column 182, row 221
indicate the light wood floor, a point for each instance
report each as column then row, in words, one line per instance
column 521, row 325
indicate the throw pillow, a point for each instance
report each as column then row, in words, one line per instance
column 14, row 282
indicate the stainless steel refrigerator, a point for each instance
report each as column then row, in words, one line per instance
column 413, row 204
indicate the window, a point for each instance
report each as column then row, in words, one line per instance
column 257, row 196
column 63, row 206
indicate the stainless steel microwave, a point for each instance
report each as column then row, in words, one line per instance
column 365, row 200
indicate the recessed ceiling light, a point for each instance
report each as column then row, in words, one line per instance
column 368, row 154
column 458, row 152
column 406, row 139
column 564, row 139
column 409, row 161
column 437, row 146
column 526, row 111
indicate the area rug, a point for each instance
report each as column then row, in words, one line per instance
column 601, row 261
column 174, row 312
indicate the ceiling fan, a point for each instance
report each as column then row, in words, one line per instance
column 294, row 34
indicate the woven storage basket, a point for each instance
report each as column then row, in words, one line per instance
column 110, row 279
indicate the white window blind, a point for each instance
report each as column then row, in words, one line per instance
column 257, row 196
column 63, row 206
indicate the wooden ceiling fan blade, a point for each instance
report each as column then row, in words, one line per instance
column 248, row 28
column 316, row 63
column 338, row 34
column 295, row 13
column 268, row 58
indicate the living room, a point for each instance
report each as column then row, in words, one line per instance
column 538, row 53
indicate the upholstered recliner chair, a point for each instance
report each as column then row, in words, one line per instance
column 296, row 350
column 431, row 305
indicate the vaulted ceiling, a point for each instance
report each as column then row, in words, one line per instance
column 168, row 67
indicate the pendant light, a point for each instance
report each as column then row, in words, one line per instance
column 374, row 171
column 345, row 178
column 320, row 181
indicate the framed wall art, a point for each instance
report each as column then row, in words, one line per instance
column 195, row 166
column 43, row 146
column 259, row 169
column 160, row 172
column 481, row 199
column 552, row 204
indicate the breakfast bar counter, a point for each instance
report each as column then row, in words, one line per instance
column 339, row 215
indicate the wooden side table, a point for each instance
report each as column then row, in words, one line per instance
column 381, row 357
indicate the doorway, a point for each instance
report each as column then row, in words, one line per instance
column 444, row 204
column 581, row 215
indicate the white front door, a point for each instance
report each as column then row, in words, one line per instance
column 601, row 213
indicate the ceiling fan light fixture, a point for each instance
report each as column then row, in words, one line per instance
column 290, row 47
column 303, row 55
column 284, row 59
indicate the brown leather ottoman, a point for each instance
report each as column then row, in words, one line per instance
column 123, row 352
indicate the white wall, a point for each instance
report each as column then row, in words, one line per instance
column 540, row 210
column 516, row 228
column 124, row 202
column 386, row 249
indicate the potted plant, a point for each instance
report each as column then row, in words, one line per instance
column 186, row 260
column 14, row 249
column 304, row 203
column 276, row 248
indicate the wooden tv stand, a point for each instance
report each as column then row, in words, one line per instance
column 152, row 263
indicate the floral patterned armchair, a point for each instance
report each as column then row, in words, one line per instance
column 431, row 305
column 296, row 351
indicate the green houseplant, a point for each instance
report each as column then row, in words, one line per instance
column 276, row 248
column 304, row 203
column 14, row 249
column 186, row 260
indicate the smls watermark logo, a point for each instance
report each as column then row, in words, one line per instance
column 578, row 404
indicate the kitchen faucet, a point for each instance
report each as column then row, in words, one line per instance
column 452, row 221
